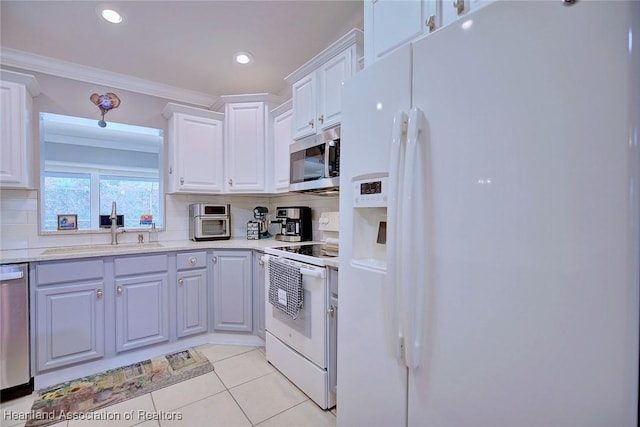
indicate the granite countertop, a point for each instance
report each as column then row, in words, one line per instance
column 88, row 251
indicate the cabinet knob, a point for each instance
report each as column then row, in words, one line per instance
column 459, row 5
column 431, row 23
column 214, row 259
column 99, row 293
column 311, row 122
column 181, row 181
column 119, row 290
column 193, row 260
column 180, row 281
column 321, row 119
column 230, row 182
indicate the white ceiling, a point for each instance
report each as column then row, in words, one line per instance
column 183, row 44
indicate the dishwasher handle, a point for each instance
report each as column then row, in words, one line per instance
column 11, row 273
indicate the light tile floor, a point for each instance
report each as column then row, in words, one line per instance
column 243, row 390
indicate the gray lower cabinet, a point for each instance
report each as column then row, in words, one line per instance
column 70, row 324
column 87, row 309
column 141, row 301
column 258, row 294
column 191, row 293
column 232, row 290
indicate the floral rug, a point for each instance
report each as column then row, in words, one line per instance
column 77, row 399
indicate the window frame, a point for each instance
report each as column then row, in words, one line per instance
column 96, row 173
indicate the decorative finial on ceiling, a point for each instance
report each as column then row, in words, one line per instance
column 105, row 102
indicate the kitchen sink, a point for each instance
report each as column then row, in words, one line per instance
column 101, row 248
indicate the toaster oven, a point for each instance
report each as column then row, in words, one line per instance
column 209, row 222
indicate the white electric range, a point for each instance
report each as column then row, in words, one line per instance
column 300, row 338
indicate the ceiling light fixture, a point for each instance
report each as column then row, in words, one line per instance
column 243, row 58
column 111, row 15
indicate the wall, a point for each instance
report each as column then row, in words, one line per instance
column 19, row 208
column 19, row 218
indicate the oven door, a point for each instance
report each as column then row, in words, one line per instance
column 307, row 333
column 211, row 227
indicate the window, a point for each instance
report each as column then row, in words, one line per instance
column 85, row 168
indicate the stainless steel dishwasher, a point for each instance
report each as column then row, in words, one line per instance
column 15, row 370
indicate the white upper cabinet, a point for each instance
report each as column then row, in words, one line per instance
column 16, row 163
column 282, row 139
column 390, row 24
column 248, row 142
column 317, row 85
column 195, row 150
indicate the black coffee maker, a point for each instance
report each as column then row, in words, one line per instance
column 295, row 223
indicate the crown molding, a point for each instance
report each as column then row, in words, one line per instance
column 46, row 65
column 285, row 106
column 353, row 37
column 268, row 98
column 28, row 80
column 172, row 108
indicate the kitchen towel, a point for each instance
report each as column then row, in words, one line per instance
column 285, row 287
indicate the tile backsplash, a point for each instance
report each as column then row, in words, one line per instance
column 19, row 217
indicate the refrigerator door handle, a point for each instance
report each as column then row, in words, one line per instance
column 413, row 237
column 392, row 285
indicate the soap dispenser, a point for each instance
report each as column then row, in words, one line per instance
column 153, row 233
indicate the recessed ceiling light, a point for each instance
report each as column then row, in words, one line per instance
column 111, row 15
column 243, row 57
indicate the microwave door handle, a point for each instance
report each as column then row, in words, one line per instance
column 327, row 157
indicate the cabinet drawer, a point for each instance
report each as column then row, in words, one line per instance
column 189, row 260
column 141, row 264
column 69, row 271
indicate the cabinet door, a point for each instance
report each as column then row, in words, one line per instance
column 245, row 147
column 390, row 24
column 232, row 291
column 69, row 324
column 142, row 311
column 258, row 294
column 192, row 302
column 14, row 135
column 331, row 77
column 304, row 106
column 195, row 164
column 282, row 139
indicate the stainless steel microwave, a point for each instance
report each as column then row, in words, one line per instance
column 209, row 222
column 315, row 162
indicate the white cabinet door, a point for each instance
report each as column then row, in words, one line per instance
column 331, row 76
column 304, row 106
column 391, row 24
column 245, row 147
column 282, row 139
column 15, row 125
column 316, row 87
column 195, row 154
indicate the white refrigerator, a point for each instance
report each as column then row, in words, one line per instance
column 489, row 223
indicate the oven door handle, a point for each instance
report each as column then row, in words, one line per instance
column 312, row 272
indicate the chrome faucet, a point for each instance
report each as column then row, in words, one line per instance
column 114, row 224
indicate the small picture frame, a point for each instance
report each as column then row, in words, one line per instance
column 68, row 222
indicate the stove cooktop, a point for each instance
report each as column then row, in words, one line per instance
column 313, row 253
column 315, row 250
